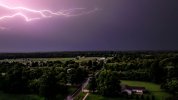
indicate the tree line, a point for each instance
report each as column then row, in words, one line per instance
column 16, row 78
column 159, row 68
column 49, row 78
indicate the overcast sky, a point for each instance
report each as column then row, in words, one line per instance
column 115, row 25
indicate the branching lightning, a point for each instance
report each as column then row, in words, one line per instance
column 19, row 11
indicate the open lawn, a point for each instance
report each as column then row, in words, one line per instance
column 4, row 96
column 80, row 96
column 37, row 59
column 72, row 89
column 87, row 59
column 99, row 97
column 50, row 59
column 154, row 89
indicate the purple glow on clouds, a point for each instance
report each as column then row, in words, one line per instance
column 117, row 25
column 9, row 12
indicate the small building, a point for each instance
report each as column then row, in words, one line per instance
column 133, row 90
column 69, row 70
column 3, row 74
column 102, row 58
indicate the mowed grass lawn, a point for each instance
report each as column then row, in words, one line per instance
column 154, row 89
column 80, row 96
column 99, row 97
column 51, row 59
column 4, row 96
column 38, row 59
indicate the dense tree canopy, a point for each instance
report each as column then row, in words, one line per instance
column 108, row 83
column 50, row 78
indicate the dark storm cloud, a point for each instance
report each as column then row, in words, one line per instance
column 118, row 25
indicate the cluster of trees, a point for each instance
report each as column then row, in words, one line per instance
column 120, row 54
column 49, row 78
column 161, row 68
column 107, row 83
column 48, row 82
column 57, row 54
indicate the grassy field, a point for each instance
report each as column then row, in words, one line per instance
column 99, row 97
column 72, row 90
column 80, row 96
column 87, row 59
column 37, row 59
column 154, row 89
column 4, row 96
column 50, row 59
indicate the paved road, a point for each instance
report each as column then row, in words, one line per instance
column 85, row 83
column 81, row 88
column 85, row 96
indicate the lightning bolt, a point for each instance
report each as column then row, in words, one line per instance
column 19, row 11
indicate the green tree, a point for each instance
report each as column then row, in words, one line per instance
column 147, row 97
column 172, row 86
column 152, row 97
column 142, row 97
column 157, row 72
column 76, row 76
column 92, row 84
column 16, row 80
column 137, row 97
column 50, row 85
column 108, row 83
column 34, row 86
